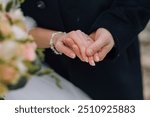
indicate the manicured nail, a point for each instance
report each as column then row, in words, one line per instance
column 92, row 63
column 97, row 59
column 72, row 56
column 87, row 60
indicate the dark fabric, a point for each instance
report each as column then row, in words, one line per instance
column 118, row 77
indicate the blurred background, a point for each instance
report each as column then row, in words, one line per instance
column 145, row 60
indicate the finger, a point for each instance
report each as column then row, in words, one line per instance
column 87, row 38
column 64, row 49
column 96, row 57
column 69, row 42
column 72, row 45
column 92, row 36
column 83, row 53
column 91, row 61
column 77, row 52
column 105, row 50
column 73, row 35
column 79, row 41
column 96, row 46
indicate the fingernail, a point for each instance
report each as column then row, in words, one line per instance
column 87, row 60
column 97, row 59
column 72, row 56
column 90, row 51
column 92, row 63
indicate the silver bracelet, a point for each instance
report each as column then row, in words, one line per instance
column 51, row 43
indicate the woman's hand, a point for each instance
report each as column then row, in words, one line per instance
column 78, row 42
column 60, row 46
column 42, row 38
column 91, row 48
column 94, row 47
column 74, row 44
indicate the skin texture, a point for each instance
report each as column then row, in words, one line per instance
column 88, row 48
column 95, row 50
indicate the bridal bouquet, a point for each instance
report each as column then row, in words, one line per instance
column 19, row 57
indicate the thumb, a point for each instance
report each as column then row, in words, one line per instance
column 92, row 36
column 95, row 47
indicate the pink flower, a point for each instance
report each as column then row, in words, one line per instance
column 29, row 51
column 8, row 74
column 5, row 28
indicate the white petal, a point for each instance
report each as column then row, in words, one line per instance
column 19, row 33
column 8, row 50
column 22, row 68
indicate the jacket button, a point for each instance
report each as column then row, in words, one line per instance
column 40, row 4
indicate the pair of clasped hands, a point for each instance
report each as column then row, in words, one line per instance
column 88, row 48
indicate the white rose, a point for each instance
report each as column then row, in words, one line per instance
column 17, row 14
column 8, row 50
column 30, row 23
column 4, row 1
column 22, row 68
column 19, row 33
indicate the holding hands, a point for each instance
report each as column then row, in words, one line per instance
column 89, row 48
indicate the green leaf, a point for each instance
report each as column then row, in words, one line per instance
column 13, row 4
column 52, row 74
column 40, row 54
column 20, row 1
column 9, row 5
column 1, row 37
column 20, row 84
column 1, row 7
column 1, row 61
column 57, row 80
column 45, row 72
column 33, row 67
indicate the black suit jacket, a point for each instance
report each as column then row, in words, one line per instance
column 119, row 75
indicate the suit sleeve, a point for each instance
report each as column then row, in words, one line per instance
column 125, row 20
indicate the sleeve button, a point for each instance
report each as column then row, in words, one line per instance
column 40, row 5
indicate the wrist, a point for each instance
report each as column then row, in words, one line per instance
column 54, row 37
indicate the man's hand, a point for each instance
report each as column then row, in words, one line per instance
column 103, row 43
